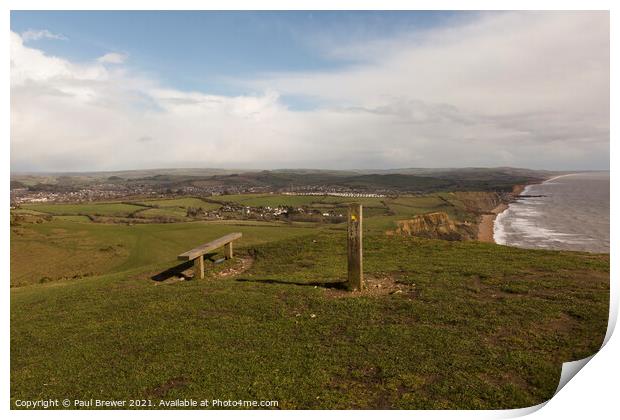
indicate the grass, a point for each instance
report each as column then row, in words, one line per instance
column 177, row 213
column 182, row 203
column 97, row 209
column 480, row 325
column 65, row 249
column 385, row 210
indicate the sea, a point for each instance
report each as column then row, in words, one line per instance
column 568, row 212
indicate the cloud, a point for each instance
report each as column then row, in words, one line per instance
column 37, row 34
column 527, row 89
column 498, row 63
column 112, row 58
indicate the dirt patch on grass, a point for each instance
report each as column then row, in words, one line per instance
column 375, row 285
column 171, row 276
column 242, row 265
column 563, row 324
column 161, row 390
column 504, row 379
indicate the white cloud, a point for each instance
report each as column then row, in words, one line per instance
column 36, row 34
column 520, row 89
column 498, row 63
column 112, row 58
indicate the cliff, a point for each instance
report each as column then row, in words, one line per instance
column 434, row 225
column 480, row 202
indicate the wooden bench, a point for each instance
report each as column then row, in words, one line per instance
column 197, row 254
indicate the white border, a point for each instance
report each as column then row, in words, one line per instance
column 593, row 392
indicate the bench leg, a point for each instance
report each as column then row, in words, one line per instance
column 199, row 267
column 228, row 250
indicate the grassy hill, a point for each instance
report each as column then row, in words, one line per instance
column 443, row 325
column 403, row 180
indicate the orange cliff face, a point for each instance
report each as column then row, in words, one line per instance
column 485, row 206
column 433, row 225
column 517, row 189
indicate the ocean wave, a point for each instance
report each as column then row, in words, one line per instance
column 499, row 231
column 572, row 214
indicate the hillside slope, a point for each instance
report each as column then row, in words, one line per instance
column 470, row 325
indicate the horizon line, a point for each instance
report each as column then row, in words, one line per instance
column 247, row 170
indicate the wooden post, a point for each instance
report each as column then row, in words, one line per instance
column 228, row 250
column 355, row 275
column 199, row 267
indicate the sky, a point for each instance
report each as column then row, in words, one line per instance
column 94, row 91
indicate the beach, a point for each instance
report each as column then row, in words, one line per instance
column 485, row 227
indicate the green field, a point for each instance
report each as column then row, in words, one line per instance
column 67, row 248
column 148, row 209
column 453, row 325
column 176, row 213
column 182, row 203
column 175, row 209
column 96, row 209
column 275, row 200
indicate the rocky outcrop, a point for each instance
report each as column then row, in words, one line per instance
column 472, row 206
column 434, row 225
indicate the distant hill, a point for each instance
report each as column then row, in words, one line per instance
column 420, row 180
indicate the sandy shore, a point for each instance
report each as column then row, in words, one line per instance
column 485, row 228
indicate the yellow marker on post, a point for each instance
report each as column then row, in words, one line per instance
column 354, row 248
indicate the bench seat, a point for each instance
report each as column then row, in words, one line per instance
column 208, row 247
column 197, row 254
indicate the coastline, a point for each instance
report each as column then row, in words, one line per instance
column 487, row 221
column 548, row 223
